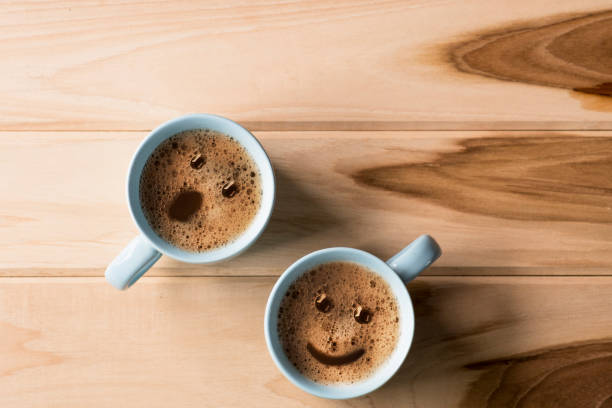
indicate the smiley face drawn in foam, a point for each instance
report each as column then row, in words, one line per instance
column 362, row 316
column 338, row 322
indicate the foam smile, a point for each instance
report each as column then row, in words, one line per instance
column 328, row 359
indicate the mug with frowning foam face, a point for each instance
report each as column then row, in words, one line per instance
column 200, row 189
column 339, row 322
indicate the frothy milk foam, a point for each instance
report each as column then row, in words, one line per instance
column 200, row 189
column 338, row 322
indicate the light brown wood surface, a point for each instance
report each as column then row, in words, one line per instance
column 498, row 202
column 76, row 342
column 304, row 64
column 485, row 124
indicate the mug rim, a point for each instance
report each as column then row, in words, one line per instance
column 231, row 249
column 394, row 361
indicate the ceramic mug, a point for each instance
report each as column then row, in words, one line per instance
column 144, row 250
column 397, row 271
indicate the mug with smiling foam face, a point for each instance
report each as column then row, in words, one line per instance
column 352, row 319
column 144, row 250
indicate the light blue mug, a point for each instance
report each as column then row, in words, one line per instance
column 397, row 271
column 144, row 250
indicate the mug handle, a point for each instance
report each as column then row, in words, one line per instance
column 415, row 258
column 133, row 261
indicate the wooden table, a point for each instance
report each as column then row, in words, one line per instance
column 485, row 124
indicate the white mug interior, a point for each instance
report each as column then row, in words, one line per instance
column 385, row 371
column 252, row 146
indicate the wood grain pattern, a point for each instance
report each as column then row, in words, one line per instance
column 571, row 52
column 334, row 88
column 480, row 342
column 298, row 65
column 533, row 177
column 560, row 377
column 498, row 202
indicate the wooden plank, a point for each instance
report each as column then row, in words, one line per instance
column 480, row 342
column 498, row 202
column 301, row 65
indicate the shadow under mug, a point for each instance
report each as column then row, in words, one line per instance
column 397, row 271
column 144, row 250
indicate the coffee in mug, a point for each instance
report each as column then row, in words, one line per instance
column 200, row 189
column 338, row 322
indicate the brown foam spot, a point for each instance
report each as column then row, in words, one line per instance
column 185, row 205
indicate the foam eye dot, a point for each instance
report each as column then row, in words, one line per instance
column 362, row 316
column 197, row 161
column 322, row 303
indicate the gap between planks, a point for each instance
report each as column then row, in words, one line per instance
column 356, row 126
column 162, row 277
